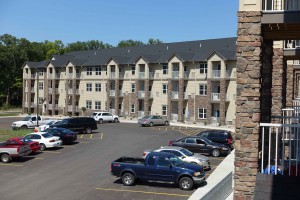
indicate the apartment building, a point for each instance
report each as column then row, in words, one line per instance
column 186, row 81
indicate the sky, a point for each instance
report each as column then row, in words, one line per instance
column 111, row 21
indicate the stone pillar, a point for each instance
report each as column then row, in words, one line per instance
column 249, row 64
column 117, row 82
column 53, row 96
column 277, row 84
column 136, row 97
column 223, row 101
column 180, row 98
column 147, row 95
column 74, row 97
column 170, row 89
column 67, row 97
column 209, row 106
column 23, row 97
column 108, row 94
column 29, row 94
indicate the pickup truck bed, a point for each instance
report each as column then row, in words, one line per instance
column 131, row 160
column 7, row 152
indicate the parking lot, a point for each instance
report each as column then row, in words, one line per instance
column 82, row 170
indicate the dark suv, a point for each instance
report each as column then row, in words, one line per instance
column 77, row 124
column 220, row 136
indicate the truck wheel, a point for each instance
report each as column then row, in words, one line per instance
column 5, row 158
column 151, row 124
column 128, row 179
column 43, row 147
column 186, row 183
column 116, row 120
column 24, row 127
column 100, row 121
column 88, row 130
column 215, row 152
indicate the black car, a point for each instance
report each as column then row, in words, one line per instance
column 201, row 145
column 77, row 124
column 67, row 136
column 219, row 136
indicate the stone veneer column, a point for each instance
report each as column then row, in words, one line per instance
column 136, row 97
column 249, row 64
column 180, row 99
column 67, row 98
column 223, row 101
column 46, row 93
column 29, row 94
column 108, row 94
column 23, row 96
column 117, row 82
column 74, row 96
column 147, row 96
column 277, row 84
column 170, row 89
column 209, row 106
column 53, row 96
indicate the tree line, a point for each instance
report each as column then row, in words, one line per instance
column 14, row 52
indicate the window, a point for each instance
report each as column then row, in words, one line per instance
column 203, row 90
column 41, row 100
column 133, row 70
column 98, row 87
column 41, row 72
column 164, row 110
column 133, row 88
column 190, row 141
column 41, row 85
column 165, row 89
column 202, row 113
column 163, row 162
column 165, row 69
column 203, row 68
column 88, row 87
column 132, row 108
column 98, row 70
column 88, row 104
column 89, row 71
column 151, row 161
column 97, row 105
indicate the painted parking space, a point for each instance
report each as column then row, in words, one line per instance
column 97, row 136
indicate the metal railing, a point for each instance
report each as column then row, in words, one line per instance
column 112, row 93
column 215, row 97
column 174, row 95
column 141, row 114
column 70, row 108
column 151, row 75
column 291, row 44
column 70, row 75
column 141, row 94
column 112, row 74
column 280, row 5
column 50, row 107
column 112, row 111
column 26, row 104
column 120, row 93
column 175, row 74
column 70, row 91
column 216, row 73
column 142, row 75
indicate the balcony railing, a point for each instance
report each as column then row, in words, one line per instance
column 280, row 5
column 174, row 95
column 112, row 93
column 26, row 104
column 215, row 97
column 292, row 44
column 78, row 75
column 50, row 76
column 70, row 75
column 175, row 74
column 50, row 107
column 296, row 62
column 32, row 90
column 121, row 75
column 70, row 108
column 151, row 75
column 70, row 91
column 186, row 75
column 141, row 94
column 112, row 111
column 216, row 73
column 50, row 90
column 112, row 74
column 32, row 104
column 32, row 75
column 141, row 114
column 142, row 75
column 57, row 75
column 120, row 93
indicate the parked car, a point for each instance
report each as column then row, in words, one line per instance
column 46, row 140
column 220, row 136
column 77, row 124
column 101, row 117
column 159, row 167
column 28, row 122
column 184, row 154
column 34, row 146
column 151, row 120
column 8, row 152
column 46, row 126
column 201, row 145
column 67, row 136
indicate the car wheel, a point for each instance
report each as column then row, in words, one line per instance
column 166, row 123
column 116, row 120
column 186, row 183
column 215, row 153
column 151, row 124
column 128, row 179
column 88, row 130
column 100, row 121
column 43, row 147
column 24, row 127
column 5, row 158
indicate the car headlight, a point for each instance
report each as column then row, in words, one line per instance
column 197, row 173
column 224, row 148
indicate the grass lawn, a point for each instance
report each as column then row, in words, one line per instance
column 8, row 114
column 8, row 133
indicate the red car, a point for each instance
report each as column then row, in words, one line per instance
column 34, row 146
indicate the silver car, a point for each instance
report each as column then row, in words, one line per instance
column 151, row 120
column 185, row 155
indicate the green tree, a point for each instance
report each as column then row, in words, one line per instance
column 152, row 41
column 54, row 48
column 129, row 43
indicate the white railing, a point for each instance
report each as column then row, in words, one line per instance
column 141, row 94
column 175, row 74
column 32, row 104
column 216, row 73
column 26, row 104
column 141, row 114
column 185, row 95
column 70, row 108
column 142, row 75
column 174, row 95
column 57, row 75
column 112, row 93
column 151, row 94
column 120, row 93
column 50, row 76
column 50, row 90
column 112, row 74
column 32, row 90
column 174, row 117
column 277, row 151
column 296, row 62
column 280, row 5
column 121, row 75
column 50, row 107
column 291, row 44
column 186, row 75
column 56, row 106
column 151, row 75
column 215, row 96
column 112, row 111
column 70, row 75
column 32, row 75
column 70, row 91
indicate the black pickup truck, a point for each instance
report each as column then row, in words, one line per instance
column 160, row 167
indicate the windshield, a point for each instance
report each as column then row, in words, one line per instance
column 147, row 117
column 94, row 114
column 26, row 118
column 50, row 123
column 47, row 135
column 186, row 152
column 26, row 140
column 64, row 121
column 176, row 161
column 207, row 141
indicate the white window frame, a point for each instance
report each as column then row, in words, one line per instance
column 132, row 108
column 165, row 69
column 98, row 71
column 132, row 88
column 97, row 105
column 41, row 85
column 89, row 71
column 165, row 88
column 203, row 90
column 89, row 87
column 203, row 68
column 164, row 109
column 88, row 104
column 41, row 100
column 133, row 70
column 97, row 87
column 202, row 112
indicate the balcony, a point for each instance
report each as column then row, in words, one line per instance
column 70, row 108
column 78, row 75
column 70, row 91
column 215, row 97
column 216, row 73
column 280, row 5
column 57, row 75
column 141, row 114
column 174, row 95
column 113, row 75
column 70, row 76
column 186, row 75
column 121, row 75
column 32, row 104
column 50, row 107
column 142, row 75
column 32, row 90
column 33, row 76
column 141, row 94
column 50, row 90
column 120, row 93
column 50, row 76
column 151, row 75
column 291, row 44
column 26, row 104
column 112, row 93
column 175, row 74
